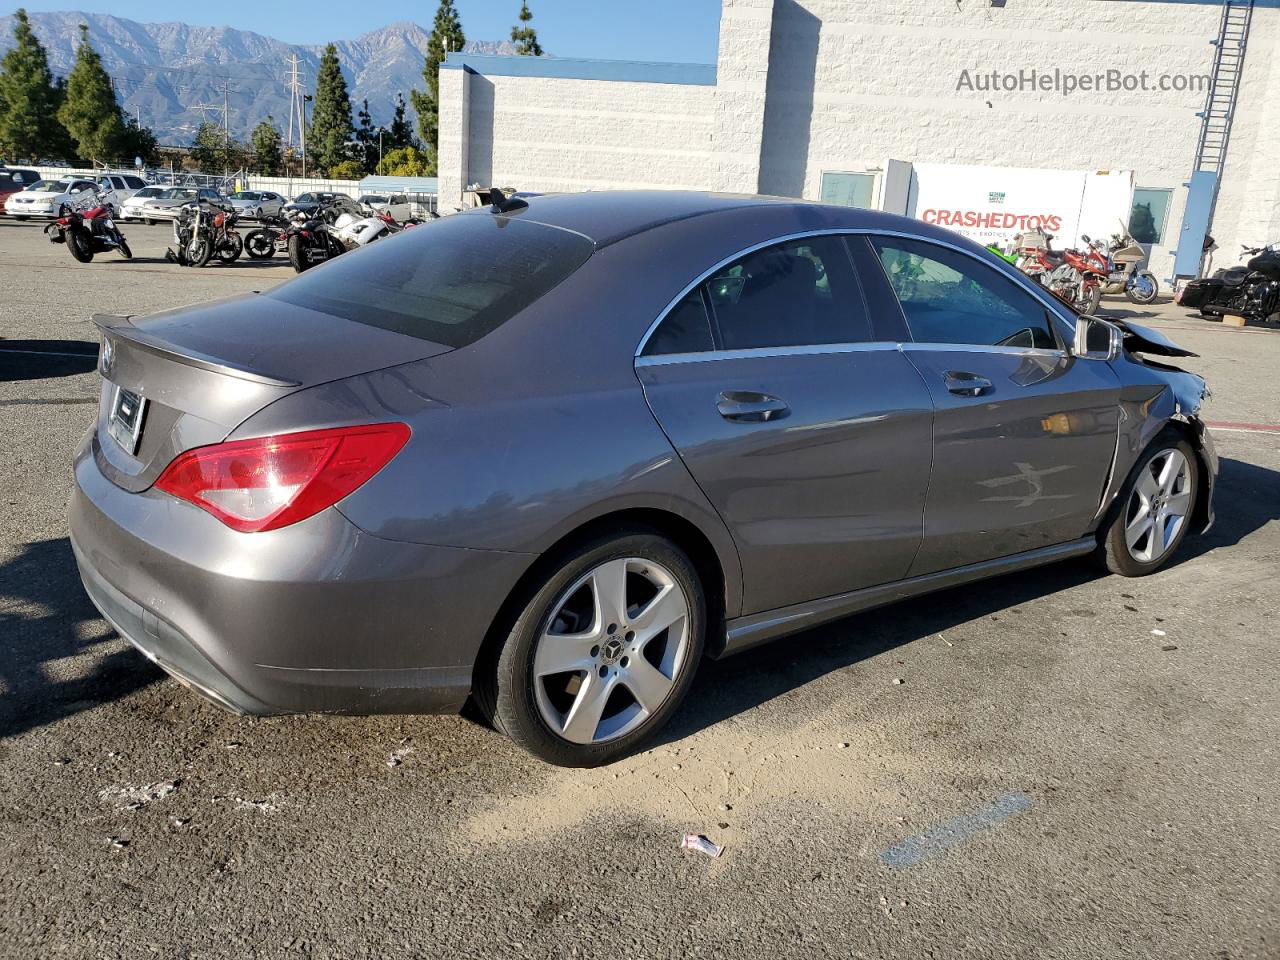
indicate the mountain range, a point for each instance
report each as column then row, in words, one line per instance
column 163, row 71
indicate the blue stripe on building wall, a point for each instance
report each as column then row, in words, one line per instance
column 566, row 68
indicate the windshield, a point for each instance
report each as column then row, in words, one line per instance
column 450, row 283
column 373, row 198
column 51, row 186
column 307, row 198
column 177, row 193
column 246, row 195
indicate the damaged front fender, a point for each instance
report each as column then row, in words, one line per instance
column 1155, row 397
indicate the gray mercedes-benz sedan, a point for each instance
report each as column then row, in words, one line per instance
column 550, row 454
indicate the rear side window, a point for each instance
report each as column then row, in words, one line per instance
column 948, row 297
column 685, row 329
column 450, row 282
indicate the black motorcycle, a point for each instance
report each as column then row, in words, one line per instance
column 268, row 239
column 203, row 230
column 310, row 238
column 1251, row 291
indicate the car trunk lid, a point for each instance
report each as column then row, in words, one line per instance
column 186, row 378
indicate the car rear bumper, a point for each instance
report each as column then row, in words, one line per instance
column 316, row 617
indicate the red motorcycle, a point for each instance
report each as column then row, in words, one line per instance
column 89, row 231
column 1069, row 274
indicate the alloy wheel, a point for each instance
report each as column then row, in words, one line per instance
column 611, row 651
column 1158, row 506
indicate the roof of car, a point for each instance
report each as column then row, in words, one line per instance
column 609, row 216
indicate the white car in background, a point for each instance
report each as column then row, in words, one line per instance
column 396, row 204
column 132, row 208
column 257, row 203
column 51, row 198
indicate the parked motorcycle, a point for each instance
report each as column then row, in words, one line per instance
column 1118, row 262
column 1067, row 274
column 354, row 232
column 310, row 239
column 89, row 228
column 203, row 230
column 1251, row 290
column 268, row 239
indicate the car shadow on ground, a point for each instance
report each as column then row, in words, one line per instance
column 1247, row 498
column 42, row 359
column 45, row 617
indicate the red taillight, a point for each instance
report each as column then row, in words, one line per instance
column 271, row 482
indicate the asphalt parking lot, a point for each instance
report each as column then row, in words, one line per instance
column 1073, row 765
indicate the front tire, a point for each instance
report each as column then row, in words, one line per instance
column 124, row 249
column 601, row 654
column 1143, row 289
column 1152, row 513
column 297, row 254
column 80, row 245
column 198, row 251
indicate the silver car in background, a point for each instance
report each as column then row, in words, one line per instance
column 552, row 452
column 256, row 204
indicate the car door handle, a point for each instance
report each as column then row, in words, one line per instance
column 747, row 406
column 966, row 384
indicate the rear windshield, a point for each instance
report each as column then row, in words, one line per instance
column 451, row 282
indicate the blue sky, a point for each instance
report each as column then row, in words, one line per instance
column 680, row 31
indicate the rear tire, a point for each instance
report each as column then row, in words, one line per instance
column 230, row 254
column 634, row 676
column 258, row 245
column 1153, row 512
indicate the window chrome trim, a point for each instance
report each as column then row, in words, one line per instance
column 1019, row 278
column 805, row 350
column 927, row 346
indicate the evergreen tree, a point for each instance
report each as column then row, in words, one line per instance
column 367, row 136
column 29, row 99
column 525, row 37
column 331, row 127
column 266, row 148
column 90, row 111
column 400, row 133
column 446, row 37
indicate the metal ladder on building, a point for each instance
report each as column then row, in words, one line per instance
column 1215, row 133
column 1224, row 85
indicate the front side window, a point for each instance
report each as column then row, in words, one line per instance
column 948, row 297
column 451, row 284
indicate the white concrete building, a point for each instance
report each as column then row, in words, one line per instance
column 841, row 99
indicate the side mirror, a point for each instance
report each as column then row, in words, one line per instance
column 1096, row 339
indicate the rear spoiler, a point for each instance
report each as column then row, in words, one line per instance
column 121, row 328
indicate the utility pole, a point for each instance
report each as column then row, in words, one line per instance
column 297, row 109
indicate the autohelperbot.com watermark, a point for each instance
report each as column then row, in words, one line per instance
column 1066, row 82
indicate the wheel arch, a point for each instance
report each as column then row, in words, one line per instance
column 681, row 531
